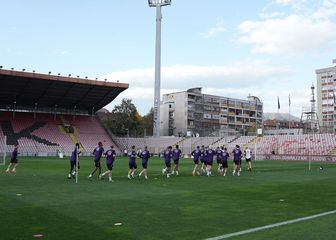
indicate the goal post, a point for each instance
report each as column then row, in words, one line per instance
column 3, row 154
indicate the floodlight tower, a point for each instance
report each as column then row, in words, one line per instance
column 157, row 4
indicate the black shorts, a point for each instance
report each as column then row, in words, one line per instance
column 14, row 160
column 202, row 160
column 219, row 161
column 209, row 163
column 144, row 165
column 73, row 164
column 109, row 166
column 225, row 163
column 176, row 161
column 196, row 161
column 248, row 159
column 237, row 162
column 168, row 165
column 132, row 165
column 97, row 164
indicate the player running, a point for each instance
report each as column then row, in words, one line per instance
column 14, row 160
column 144, row 155
column 219, row 160
column 197, row 155
column 167, row 157
column 210, row 153
column 73, row 161
column 110, row 158
column 176, row 157
column 248, row 156
column 225, row 157
column 132, row 163
column 97, row 154
column 237, row 154
column 203, row 159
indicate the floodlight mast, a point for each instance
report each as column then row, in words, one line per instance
column 157, row 86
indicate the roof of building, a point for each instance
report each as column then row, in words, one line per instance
column 30, row 89
column 280, row 117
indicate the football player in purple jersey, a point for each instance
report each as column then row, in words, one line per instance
column 14, row 161
column 237, row 154
column 176, row 157
column 144, row 155
column 73, row 161
column 197, row 155
column 110, row 158
column 132, row 163
column 167, row 157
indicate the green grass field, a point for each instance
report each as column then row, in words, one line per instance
column 182, row 207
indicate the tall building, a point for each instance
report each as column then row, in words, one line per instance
column 192, row 113
column 326, row 99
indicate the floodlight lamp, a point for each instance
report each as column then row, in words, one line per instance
column 33, row 71
column 86, row 77
column 69, row 75
column 154, row 3
column 49, row 73
column 23, row 69
column 96, row 78
column 1, row 67
column 77, row 76
column 58, row 74
column 12, row 69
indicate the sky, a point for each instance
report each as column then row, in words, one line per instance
column 231, row 48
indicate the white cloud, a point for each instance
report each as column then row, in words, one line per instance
column 213, row 31
column 327, row 10
column 236, row 80
column 289, row 2
column 292, row 34
column 239, row 74
column 265, row 15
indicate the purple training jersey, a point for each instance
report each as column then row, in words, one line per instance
column 131, row 157
column 237, row 154
column 14, row 154
column 145, row 155
column 177, row 154
column 196, row 154
column 167, row 156
column 219, row 154
column 110, row 156
column 74, row 155
column 210, row 155
column 225, row 155
column 98, row 152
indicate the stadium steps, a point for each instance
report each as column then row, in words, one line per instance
column 61, row 129
column 233, row 140
column 219, row 139
column 75, row 140
column 333, row 152
column 179, row 142
column 253, row 141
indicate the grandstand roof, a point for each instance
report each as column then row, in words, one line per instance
column 49, row 91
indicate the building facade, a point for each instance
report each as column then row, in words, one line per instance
column 192, row 113
column 326, row 100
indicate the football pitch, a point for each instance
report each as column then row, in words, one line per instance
column 39, row 199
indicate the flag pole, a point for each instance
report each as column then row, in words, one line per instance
column 289, row 112
column 77, row 149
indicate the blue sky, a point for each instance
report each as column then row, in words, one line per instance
column 267, row 48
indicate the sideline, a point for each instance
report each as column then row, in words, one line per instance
column 251, row 230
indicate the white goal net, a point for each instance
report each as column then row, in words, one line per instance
column 3, row 150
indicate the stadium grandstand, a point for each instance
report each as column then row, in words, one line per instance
column 46, row 114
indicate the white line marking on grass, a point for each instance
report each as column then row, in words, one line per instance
column 252, row 230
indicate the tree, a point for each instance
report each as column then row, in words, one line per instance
column 125, row 119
